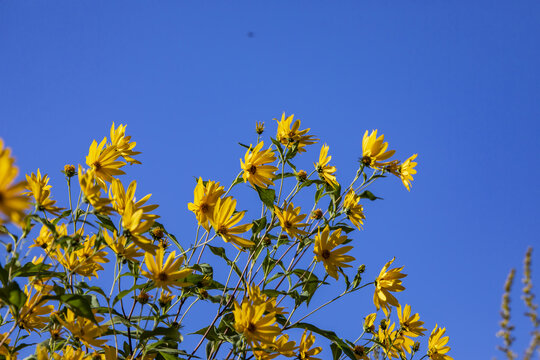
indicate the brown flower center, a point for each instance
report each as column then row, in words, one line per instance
column 252, row 170
column 204, row 208
column 96, row 165
column 162, row 276
column 287, row 224
column 222, row 230
column 325, row 254
column 251, row 327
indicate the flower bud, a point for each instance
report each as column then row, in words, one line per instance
column 301, row 175
column 157, row 233
column 259, row 127
column 143, row 297
column 317, row 214
column 69, row 170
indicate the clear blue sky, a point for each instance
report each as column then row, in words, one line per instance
column 456, row 82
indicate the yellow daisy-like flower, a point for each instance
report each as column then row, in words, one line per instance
column 353, row 209
column 360, row 352
column 387, row 281
column 92, row 192
column 120, row 198
column 13, row 203
column 45, row 239
column 205, row 197
column 326, row 172
column 225, row 218
column 134, row 227
column 305, row 351
column 290, row 220
column 118, row 245
column 166, row 274
column 374, row 150
column 40, row 189
column 123, row 143
column 84, row 329
column 391, row 341
column 437, row 348
column 410, row 325
column 369, row 323
column 103, row 162
column 85, row 261
column 34, row 315
column 258, row 298
column 407, row 170
column 255, row 169
column 325, row 251
column 279, row 346
column 289, row 133
column 7, row 351
column 250, row 321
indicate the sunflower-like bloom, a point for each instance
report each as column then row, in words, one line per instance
column 288, row 133
column 353, row 209
column 391, row 341
column 249, row 320
column 305, row 351
column 205, row 197
column 279, row 346
column 225, row 218
column 85, row 261
column 7, row 351
column 34, row 314
column 92, row 192
column 84, row 329
column 123, row 143
column 360, row 352
column 45, row 239
column 387, row 281
column 122, row 251
column 69, row 353
column 255, row 169
column 325, row 171
column 258, row 298
column 165, row 298
column 13, row 203
column 369, row 323
column 40, row 189
column 406, row 170
column 134, row 227
column 410, row 324
column 325, row 251
column 290, row 220
column 120, row 197
column 374, row 150
column 168, row 273
column 437, row 348
column 103, row 162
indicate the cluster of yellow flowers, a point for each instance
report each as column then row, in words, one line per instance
column 255, row 316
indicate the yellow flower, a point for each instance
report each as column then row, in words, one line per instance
column 407, row 170
column 250, row 321
column 165, row 274
column 34, row 314
column 353, row 209
column 360, row 352
column 70, row 353
column 289, row 136
column 165, row 298
column 410, row 325
column 45, row 239
column 289, row 219
column 120, row 197
column 279, row 346
column 123, row 144
column 437, row 348
column 7, row 351
column 369, row 323
column 374, row 150
column 84, row 329
column 118, row 245
column 42, row 353
column 387, row 281
column 12, row 201
column 86, row 260
column 102, row 162
column 324, row 251
column 326, row 172
column 41, row 190
column 225, row 218
column 255, row 169
column 259, row 127
column 205, row 198
column 305, row 351
column 92, row 192
column 134, row 227
column 259, row 298
column 391, row 341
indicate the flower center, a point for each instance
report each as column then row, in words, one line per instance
column 325, row 254
column 287, row 224
column 251, row 327
column 162, row 276
column 204, row 208
column 222, row 230
column 252, row 170
column 366, row 160
column 96, row 165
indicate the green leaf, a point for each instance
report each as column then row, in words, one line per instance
column 4, row 276
column 13, row 296
column 278, row 146
column 106, row 222
column 319, row 193
column 79, row 304
column 369, row 195
column 336, row 351
column 169, row 332
column 258, row 225
column 123, row 293
column 244, row 145
column 267, row 196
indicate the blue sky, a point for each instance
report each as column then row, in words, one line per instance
column 458, row 83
